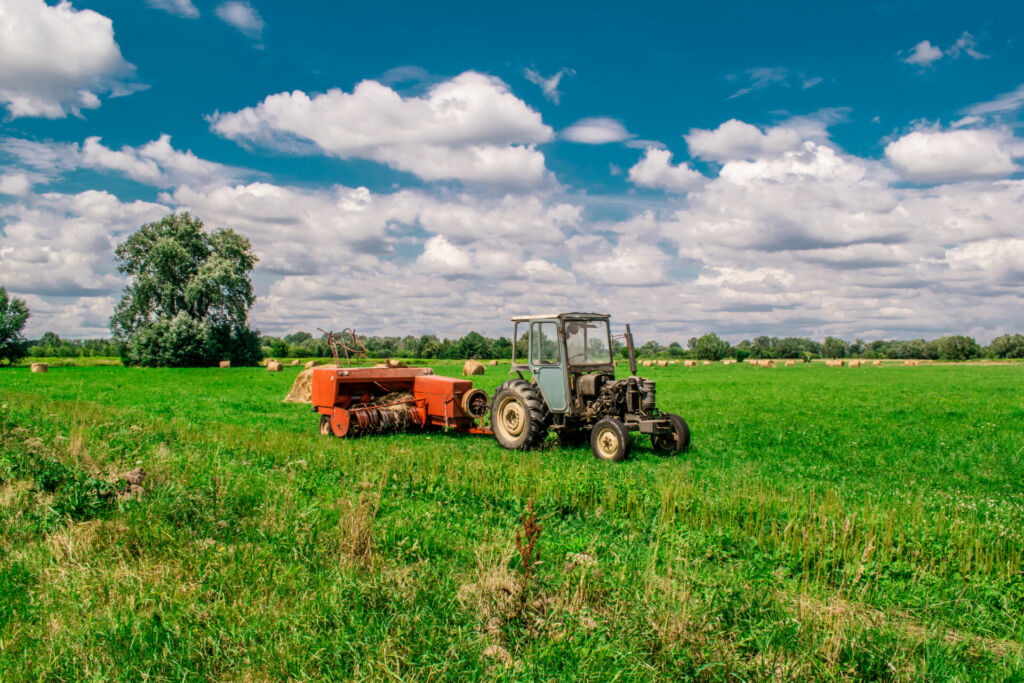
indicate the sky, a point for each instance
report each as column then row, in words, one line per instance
column 789, row 169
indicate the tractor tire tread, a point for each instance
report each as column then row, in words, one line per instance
column 540, row 417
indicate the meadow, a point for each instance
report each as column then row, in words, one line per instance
column 826, row 524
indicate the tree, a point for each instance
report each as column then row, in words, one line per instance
column 833, row 348
column 474, row 345
column 711, row 347
column 676, row 351
column 1008, row 346
column 958, row 347
column 13, row 316
column 188, row 297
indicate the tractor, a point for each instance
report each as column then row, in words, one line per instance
column 574, row 391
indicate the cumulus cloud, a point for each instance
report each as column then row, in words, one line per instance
column 182, row 8
column 155, row 163
column 549, row 85
column 469, row 128
column 57, row 60
column 935, row 156
column 597, row 130
column 242, row 16
column 924, row 54
column 738, row 140
column 655, row 170
column 15, row 183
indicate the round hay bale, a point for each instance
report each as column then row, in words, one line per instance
column 473, row 367
column 492, row 363
column 690, row 363
column 225, row 364
column 267, row 361
column 790, row 363
column 40, row 367
column 296, row 362
column 707, row 362
column 310, row 364
column 877, row 363
column 274, row 366
column 854, row 363
column 662, row 363
column 392, row 363
column 648, row 363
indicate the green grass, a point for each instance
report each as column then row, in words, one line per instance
column 826, row 524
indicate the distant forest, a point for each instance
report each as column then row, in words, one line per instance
column 707, row 347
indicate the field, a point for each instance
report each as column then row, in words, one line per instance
column 827, row 524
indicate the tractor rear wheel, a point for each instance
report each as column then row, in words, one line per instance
column 609, row 439
column 519, row 418
column 678, row 441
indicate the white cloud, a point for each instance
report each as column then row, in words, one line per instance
column 762, row 77
column 469, row 128
column 549, row 86
column 182, row 8
column 56, row 59
column 655, row 170
column 924, row 54
column 596, row 130
column 155, row 163
column 15, row 183
column 933, row 156
column 738, row 140
column 242, row 16
column 1004, row 104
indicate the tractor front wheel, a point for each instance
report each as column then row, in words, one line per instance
column 677, row 441
column 519, row 417
column 609, row 439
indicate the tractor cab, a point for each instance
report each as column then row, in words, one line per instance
column 567, row 354
column 574, row 391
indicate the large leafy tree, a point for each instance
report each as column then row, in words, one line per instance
column 711, row 347
column 188, row 297
column 13, row 316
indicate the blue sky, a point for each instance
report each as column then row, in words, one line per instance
column 743, row 168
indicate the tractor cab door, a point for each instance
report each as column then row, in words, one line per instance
column 548, row 365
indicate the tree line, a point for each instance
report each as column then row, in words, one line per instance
column 190, row 291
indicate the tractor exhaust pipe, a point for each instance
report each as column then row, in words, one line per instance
column 631, row 350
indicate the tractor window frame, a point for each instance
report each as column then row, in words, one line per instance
column 537, row 338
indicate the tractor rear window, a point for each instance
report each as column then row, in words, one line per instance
column 586, row 342
column 544, row 344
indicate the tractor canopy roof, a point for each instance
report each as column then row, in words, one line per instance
column 563, row 316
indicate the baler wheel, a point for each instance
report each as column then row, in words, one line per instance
column 609, row 440
column 519, row 417
column 325, row 425
column 670, row 444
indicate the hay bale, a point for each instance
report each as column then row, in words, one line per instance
column 877, row 363
column 766, row 363
column 40, row 367
column 662, row 363
column 225, row 364
column 297, row 362
column 310, row 364
column 493, row 363
column 707, row 362
column 790, row 363
column 727, row 361
column 274, row 366
column 690, row 364
column 854, row 363
column 302, row 387
column 473, row 367
column 267, row 361
column 647, row 363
